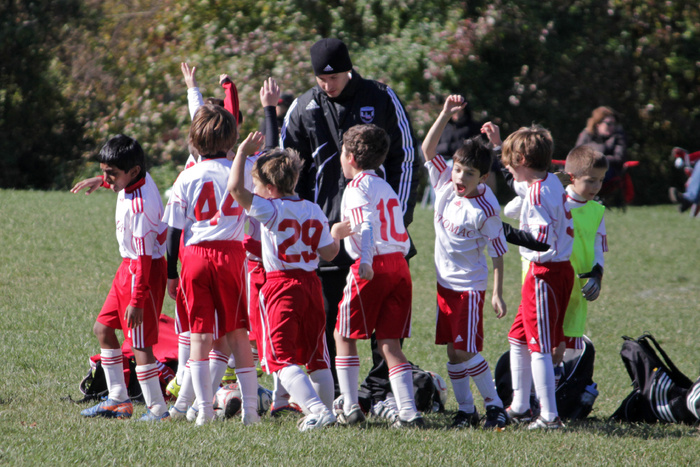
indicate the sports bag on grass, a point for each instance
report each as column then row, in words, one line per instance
column 575, row 392
column 659, row 387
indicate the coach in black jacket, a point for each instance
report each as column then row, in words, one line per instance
column 314, row 126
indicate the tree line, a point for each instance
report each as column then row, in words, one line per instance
column 74, row 72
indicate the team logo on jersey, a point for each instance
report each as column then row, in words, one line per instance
column 367, row 114
column 312, row 105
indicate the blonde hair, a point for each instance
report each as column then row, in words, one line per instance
column 279, row 168
column 531, row 146
column 582, row 159
column 213, row 130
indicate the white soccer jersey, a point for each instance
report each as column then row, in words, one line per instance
column 464, row 226
column 574, row 201
column 292, row 230
column 544, row 214
column 370, row 199
column 201, row 207
column 140, row 230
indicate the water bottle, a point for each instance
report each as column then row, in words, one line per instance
column 585, row 402
column 589, row 394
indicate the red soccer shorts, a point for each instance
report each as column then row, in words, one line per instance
column 182, row 323
column 460, row 319
column 113, row 311
column 256, row 279
column 382, row 304
column 545, row 296
column 293, row 321
column 212, row 282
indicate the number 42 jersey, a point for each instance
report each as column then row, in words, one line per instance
column 292, row 229
column 369, row 202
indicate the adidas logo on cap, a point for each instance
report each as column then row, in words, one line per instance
column 328, row 68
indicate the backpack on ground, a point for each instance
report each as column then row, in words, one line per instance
column 575, row 392
column 660, row 389
column 94, row 385
column 428, row 391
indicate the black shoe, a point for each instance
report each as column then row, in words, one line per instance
column 496, row 418
column 466, row 420
column 677, row 197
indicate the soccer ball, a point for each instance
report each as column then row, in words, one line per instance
column 264, row 400
column 227, row 401
column 440, row 398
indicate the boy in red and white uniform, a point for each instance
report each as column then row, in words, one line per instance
column 537, row 329
column 194, row 102
column 466, row 221
column 212, row 280
column 294, row 236
column 135, row 300
column 377, row 295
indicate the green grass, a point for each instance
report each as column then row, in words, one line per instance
column 57, row 258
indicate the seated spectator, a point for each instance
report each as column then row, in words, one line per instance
column 604, row 134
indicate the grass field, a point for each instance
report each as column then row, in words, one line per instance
column 58, row 254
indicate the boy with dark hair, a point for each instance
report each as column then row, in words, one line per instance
column 377, row 295
column 136, row 297
column 466, row 221
column 294, row 236
column 537, row 329
column 213, row 269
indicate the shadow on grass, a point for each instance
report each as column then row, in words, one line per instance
column 631, row 430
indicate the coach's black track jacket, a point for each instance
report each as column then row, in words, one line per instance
column 314, row 126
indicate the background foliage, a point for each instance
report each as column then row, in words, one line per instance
column 74, row 72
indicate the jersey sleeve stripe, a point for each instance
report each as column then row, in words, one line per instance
column 439, row 163
column 408, row 148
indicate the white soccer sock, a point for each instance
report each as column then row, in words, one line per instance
column 231, row 361
column 322, row 382
column 543, row 375
column 248, row 385
column 150, row 386
column 348, row 371
column 481, row 374
column 459, row 376
column 183, row 354
column 217, row 368
column 280, row 396
column 299, row 387
column 186, row 395
column 401, row 379
column 521, row 375
column 201, row 380
column 113, row 366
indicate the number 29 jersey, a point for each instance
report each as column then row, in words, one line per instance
column 371, row 200
column 201, row 207
column 292, row 230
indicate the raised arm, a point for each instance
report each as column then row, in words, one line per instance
column 453, row 104
column 194, row 97
column 269, row 97
column 236, row 180
column 230, row 97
